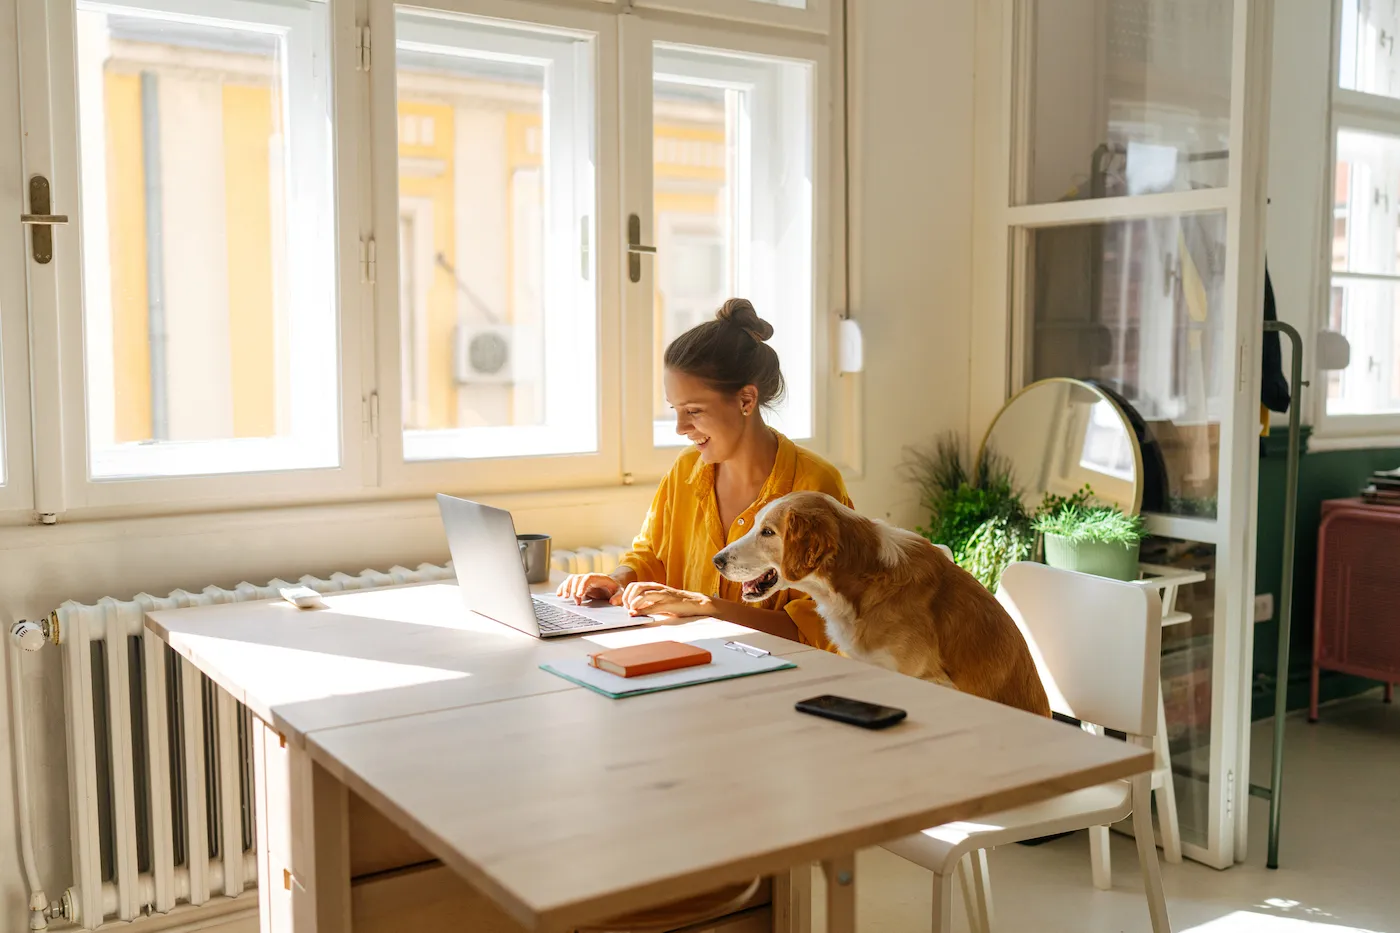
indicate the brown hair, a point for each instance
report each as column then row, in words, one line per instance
column 730, row 352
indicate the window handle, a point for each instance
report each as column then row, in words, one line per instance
column 41, row 220
column 635, row 248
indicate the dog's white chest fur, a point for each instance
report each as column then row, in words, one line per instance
column 840, row 618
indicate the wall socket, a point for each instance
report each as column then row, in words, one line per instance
column 1263, row 607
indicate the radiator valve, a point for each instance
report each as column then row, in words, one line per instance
column 30, row 636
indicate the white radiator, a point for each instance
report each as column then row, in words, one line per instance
column 160, row 763
column 602, row 559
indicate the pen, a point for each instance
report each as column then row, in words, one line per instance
column 749, row 650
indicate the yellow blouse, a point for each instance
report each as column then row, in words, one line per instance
column 682, row 531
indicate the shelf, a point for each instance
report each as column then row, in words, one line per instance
column 1183, row 528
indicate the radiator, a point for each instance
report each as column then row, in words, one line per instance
column 159, row 759
column 602, row 559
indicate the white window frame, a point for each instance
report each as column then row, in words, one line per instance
column 54, row 151
column 526, row 469
column 645, row 458
column 16, row 461
column 1374, row 114
column 364, row 135
column 813, row 16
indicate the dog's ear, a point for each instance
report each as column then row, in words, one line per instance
column 810, row 538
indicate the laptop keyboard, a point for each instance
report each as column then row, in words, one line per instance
column 555, row 619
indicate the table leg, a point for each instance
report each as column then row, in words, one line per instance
column 260, row 824
column 840, row 893
column 331, row 886
column 303, row 841
column 792, row 901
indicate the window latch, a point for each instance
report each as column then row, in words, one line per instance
column 41, row 220
column 635, row 249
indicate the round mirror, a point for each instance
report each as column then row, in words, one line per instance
column 1059, row 435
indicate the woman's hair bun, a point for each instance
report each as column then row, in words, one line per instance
column 739, row 312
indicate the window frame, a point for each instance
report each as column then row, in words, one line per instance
column 639, row 34
column 16, row 467
column 1377, row 115
column 364, row 131
column 503, row 474
column 814, row 17
column 240, row 455
column 65, row 398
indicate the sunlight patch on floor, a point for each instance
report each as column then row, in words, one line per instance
column 1248, row 921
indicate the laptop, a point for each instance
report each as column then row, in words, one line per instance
column 491, row 576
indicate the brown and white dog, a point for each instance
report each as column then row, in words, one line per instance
column 888, row 597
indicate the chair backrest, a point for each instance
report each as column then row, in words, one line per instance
column 1097, row 643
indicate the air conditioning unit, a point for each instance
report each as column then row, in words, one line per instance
column 484, row 354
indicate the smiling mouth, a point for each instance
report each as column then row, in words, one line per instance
column 700, row 442
column 759, row 587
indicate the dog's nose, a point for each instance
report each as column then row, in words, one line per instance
column 720, row 560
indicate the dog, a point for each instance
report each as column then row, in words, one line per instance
column 888, row 597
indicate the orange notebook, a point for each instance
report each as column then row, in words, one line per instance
column 650, row 658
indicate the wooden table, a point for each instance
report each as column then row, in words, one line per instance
column 396, row 729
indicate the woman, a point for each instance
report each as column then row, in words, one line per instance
column 719, row 377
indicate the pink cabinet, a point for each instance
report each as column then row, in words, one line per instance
column 1356, row 623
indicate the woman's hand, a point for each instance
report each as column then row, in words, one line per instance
column 657, row 599
column 585, row 586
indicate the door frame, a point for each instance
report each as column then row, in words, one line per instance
column 1000, row 251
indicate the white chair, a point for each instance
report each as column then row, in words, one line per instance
column 1097, row 646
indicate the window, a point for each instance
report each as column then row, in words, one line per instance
column 496, row 204
column 314, row 257
column 1364, row 298
column 1367, row 60
column 209, row 293
column 1133, row 304
column 1158, row 75
column 732, row 204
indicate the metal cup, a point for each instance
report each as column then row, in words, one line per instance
column 534, row 554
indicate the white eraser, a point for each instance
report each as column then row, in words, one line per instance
column 303, row 597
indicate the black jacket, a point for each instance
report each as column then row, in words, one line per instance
column 1273, row 391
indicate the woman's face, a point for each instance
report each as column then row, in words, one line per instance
column 713, row 421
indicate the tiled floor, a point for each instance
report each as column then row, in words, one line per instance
column 1339, row 856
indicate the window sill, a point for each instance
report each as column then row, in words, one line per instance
column 20, row 529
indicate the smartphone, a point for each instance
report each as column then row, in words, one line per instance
column 854, row 712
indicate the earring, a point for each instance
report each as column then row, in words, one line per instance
column 746, row 412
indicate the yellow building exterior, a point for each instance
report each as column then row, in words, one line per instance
column 435, row 129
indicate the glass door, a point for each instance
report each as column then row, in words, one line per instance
column 1130, row 222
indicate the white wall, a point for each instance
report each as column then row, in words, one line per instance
column 913, row 106
column 912, row 109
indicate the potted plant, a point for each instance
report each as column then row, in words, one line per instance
column 976, row 513
column 1090, row 538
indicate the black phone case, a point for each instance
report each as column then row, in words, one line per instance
column 873, row 717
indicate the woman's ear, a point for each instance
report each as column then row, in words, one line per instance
column 809, row 540
column 748, row 400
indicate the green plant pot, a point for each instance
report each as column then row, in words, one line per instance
column 1101, row 558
